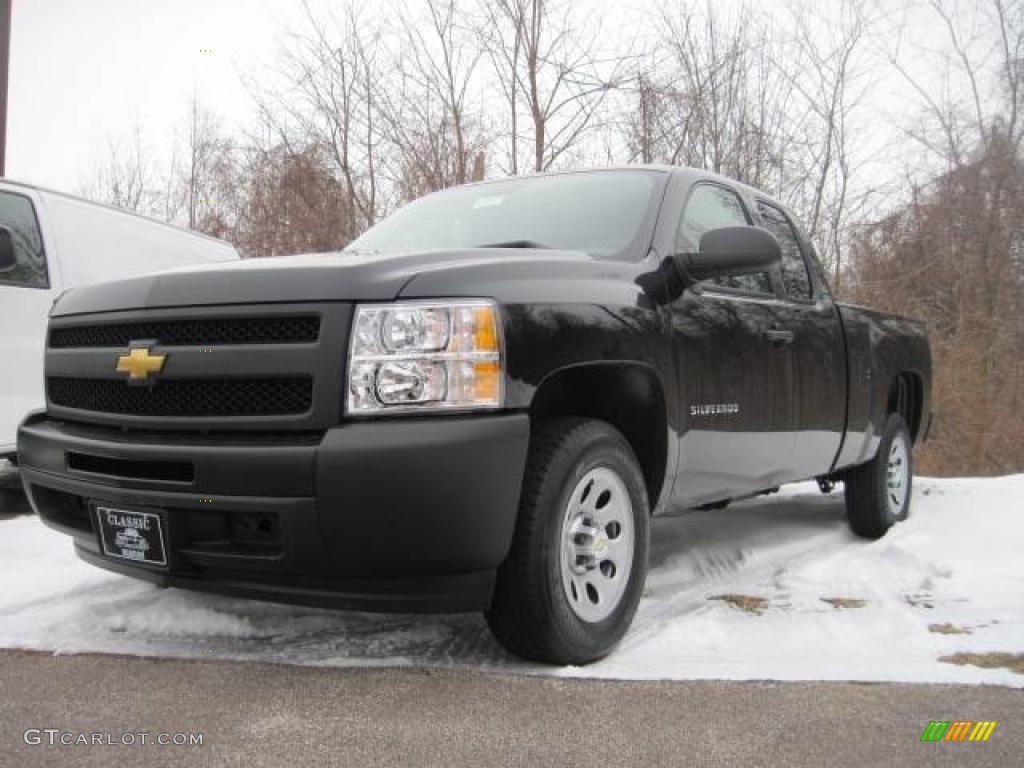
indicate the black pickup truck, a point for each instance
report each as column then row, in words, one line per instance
column 477, row 406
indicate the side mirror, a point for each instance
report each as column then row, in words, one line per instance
column 730, row 251
column 7, row 258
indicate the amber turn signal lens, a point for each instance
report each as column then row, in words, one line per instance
column 485, row 333
column 486, row 382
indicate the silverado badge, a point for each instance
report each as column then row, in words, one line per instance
column 138, row 364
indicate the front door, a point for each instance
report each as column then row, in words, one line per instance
column 25, row 299
column 735, row 369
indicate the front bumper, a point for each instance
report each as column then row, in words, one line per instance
column 393, row 515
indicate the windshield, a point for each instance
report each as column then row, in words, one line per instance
column 600, row 212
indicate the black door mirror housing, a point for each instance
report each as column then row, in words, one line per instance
column 8, row 261
column 730, row 251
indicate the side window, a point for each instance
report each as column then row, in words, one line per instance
column 794, row 270
column 710, row 207
column 18, row 216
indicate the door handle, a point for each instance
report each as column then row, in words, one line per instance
column 779, row 338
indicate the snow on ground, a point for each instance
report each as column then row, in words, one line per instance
column 739, row 593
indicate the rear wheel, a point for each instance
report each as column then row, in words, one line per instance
column 570, row 586
column 878, row 493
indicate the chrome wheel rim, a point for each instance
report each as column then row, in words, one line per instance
column 597, row 542
column 897, row 476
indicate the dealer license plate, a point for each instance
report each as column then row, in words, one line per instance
column 132, row 535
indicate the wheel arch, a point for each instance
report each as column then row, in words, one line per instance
column 906, row 397
column 628, row 395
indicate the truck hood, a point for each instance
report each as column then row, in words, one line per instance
column 342, row 276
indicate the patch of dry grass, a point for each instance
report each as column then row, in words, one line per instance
column 1011, row 661
column 919, row 601
column 748, row 603
column 948, row 629
column 844, row 602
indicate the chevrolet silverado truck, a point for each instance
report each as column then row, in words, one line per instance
column 477, row 406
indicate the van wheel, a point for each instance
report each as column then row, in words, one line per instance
column 570, row 586
column 878, row 493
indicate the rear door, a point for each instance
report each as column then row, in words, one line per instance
column 735, row 376
column 26, row 293
column 818, row 348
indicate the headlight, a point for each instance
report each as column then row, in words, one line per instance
column 423, row 356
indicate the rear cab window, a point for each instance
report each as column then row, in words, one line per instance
column 709, row 207
column 18, row 215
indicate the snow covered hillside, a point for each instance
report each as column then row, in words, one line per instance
column 774, row 588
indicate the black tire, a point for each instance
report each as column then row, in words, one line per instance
column 531, row 614
column 868, row 506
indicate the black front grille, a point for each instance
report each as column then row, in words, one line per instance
column 295, row 329
column 185, row 397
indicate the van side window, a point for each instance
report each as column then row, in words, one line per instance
column 18, row 216
column 794, row 269
column 711, row 206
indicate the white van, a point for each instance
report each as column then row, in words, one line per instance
column 50, row 242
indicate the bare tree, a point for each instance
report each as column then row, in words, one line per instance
column 293, row 202
column 828, row 71
column 951, row 255
column 125, row 177
column 769, row 105
column 547, row 63
column 325, row 93
column 425, row 107
column 721, row 102
column 206, row 190
column 642, row 131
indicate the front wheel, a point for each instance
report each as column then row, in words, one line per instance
column 570, row 586
column 878, row 493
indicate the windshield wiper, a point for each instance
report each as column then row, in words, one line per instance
column 516, row 244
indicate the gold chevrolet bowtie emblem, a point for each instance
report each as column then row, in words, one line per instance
column 138, row 364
